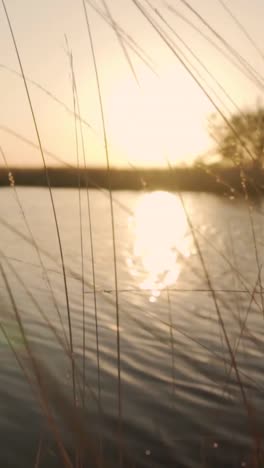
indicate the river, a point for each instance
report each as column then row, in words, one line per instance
column 184, row 280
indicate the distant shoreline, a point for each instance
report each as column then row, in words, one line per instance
column 196, row 179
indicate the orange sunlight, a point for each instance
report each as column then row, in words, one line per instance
column 162, row 120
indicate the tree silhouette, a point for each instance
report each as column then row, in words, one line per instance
column 242, row 138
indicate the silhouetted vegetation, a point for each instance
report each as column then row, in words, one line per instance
column 214, row 179
column 241, row 139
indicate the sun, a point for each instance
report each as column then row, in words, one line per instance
column 162, row 119
column 133, row 124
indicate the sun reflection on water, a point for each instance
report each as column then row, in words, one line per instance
column 159, row 228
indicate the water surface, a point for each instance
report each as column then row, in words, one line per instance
column 181, row 405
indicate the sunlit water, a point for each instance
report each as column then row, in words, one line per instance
column 180, row 401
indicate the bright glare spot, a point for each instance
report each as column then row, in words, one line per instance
column 158, row 124
column 113, row 327
column 147, row 452
column 159, row 229
column 156, row 293
column 215, row 445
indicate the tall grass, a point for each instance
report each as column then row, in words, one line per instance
column 67, row 415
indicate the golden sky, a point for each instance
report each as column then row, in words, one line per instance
column 161, row 116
